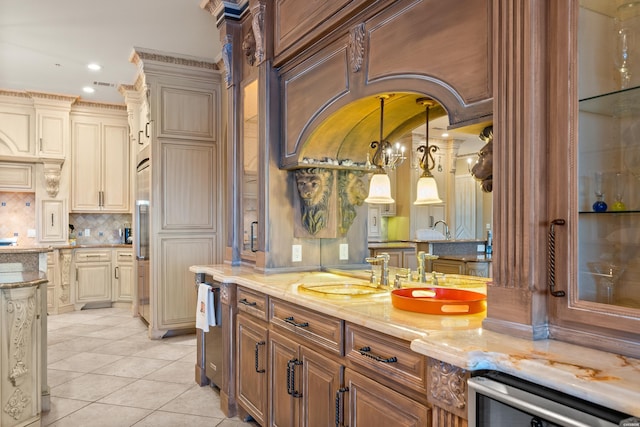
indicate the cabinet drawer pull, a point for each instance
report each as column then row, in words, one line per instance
column 51, row 220
column 258, row 344
column 290, row 321
column 291, row 377
column 245, row 302
column 366, row 351
column 340, row 406
column 551, row 258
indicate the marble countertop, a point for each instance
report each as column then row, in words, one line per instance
column 21, row 279
column 605, row 378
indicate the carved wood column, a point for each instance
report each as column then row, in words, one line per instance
column 516, row 299
column 447, row 393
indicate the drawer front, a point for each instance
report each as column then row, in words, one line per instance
column 124, row 256
column 315, row 328
column 252, row 302
column 93, row 255
column 387, row 359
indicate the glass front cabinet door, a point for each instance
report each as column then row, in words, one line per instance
column 601, row 222
column 250, row 170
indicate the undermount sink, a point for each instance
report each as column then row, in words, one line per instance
column 342, row 290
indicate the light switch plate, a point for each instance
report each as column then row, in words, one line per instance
column 296, row 253
column 31, row 232
column 480, row 248
column 87, row 232
column 344, row 251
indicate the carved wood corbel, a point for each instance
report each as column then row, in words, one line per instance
column 52, row 177
column 447, row 387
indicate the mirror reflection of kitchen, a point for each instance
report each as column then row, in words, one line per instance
column 466, row 211
column 250, row 169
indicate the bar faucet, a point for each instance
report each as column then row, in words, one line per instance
column 384, row 259
column 422, row 266
column 447, row 235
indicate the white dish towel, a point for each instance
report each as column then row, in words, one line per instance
column 205, row 308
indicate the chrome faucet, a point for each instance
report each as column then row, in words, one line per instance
column 384, row 259
column 447, row 235
column 422, row 266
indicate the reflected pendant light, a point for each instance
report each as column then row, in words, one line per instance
column 427, row 192
column 380, row 185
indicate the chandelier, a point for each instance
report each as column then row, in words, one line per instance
column 386, row 157
column 427, row 192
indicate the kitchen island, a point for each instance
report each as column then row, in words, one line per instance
column 24, row 390
column 459, row 342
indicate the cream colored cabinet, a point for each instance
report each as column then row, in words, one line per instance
column 123, row 276
column 92, row 277
column 20, row 353
column 53, row 281
column 100, row 165
column 16, row 177
column 53, row 221
column 52, row 132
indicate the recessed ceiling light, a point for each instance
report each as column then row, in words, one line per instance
column 88, row 89
column 93, row 66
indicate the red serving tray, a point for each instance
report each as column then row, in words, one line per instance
column 439, row 300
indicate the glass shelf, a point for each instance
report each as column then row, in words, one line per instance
column 617, row 103
column 609, row 212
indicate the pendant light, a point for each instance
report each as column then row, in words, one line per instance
column 427, row 192
column 385, row 158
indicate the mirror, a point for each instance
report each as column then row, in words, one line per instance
column 250, row 169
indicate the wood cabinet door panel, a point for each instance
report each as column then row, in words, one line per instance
column 321, row 379
column 283, row 407
column 116, row 168
column 86, row 167
column 371, row 404
column 251, row 369
column 93, row 281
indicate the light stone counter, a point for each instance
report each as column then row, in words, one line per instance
column 605, row 378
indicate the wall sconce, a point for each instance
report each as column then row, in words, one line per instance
column 386, row 157
column 427, row 192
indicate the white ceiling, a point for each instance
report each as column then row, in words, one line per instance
column 45, row 45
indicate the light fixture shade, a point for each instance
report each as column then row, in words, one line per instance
column 427, row 191
column 380, row 190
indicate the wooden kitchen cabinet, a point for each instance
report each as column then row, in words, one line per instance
column 252, row 366
column 594, row 296
column 368, row 403
column 303, row 384
column 123, row 277
column 53, row 221
column 398, row 257
column 100, row 164
column 92, row 277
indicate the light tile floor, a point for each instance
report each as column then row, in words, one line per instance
column 105, row 371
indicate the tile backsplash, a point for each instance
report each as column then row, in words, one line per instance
column 18, row 216
column 103, row 228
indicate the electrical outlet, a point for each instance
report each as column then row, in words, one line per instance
column 296, row 253
column 87, row 232
column 344, row 251
column 480, row 248
column 31, row 232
